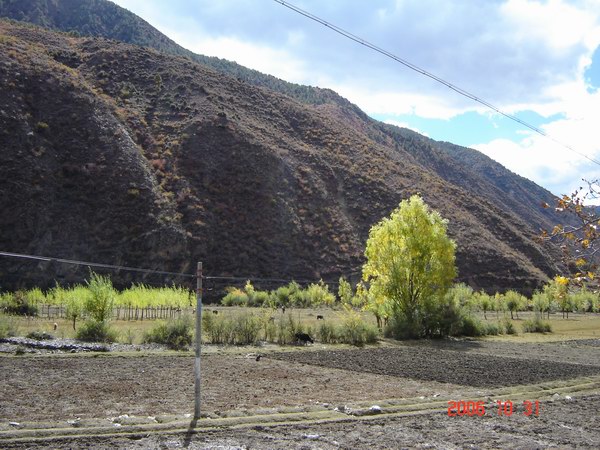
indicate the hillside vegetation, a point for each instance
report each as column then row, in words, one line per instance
column 122, row 154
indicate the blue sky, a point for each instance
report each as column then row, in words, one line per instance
column 536, row 59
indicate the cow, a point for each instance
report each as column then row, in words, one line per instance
column 320, row 317
column 303, row 338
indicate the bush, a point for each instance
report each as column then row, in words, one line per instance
column 470, row 326
column 318, row 294
column 246, row 329
column 175, row 334
column 287, row 329
column 327, row 333
column 493, row 329
column 235, row 297
column 355, row 332
column 8, row 326
column 536, row 325
column 94, row 331
column 399, row 328
column 219, row 329
column 18, row 304
column 509, row 327
column 260, row 298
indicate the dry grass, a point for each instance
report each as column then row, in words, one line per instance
column 577, row 326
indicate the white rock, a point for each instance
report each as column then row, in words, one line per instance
column 568, row 398
column 311, row 436
column 376, row 409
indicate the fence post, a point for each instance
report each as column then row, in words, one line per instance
column 198, row 339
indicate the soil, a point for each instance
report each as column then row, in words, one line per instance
column 58, row 388
column 564, row 425
column 447, row 366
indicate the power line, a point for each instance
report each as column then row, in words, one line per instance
column 155, row 272
column 92, row 264
column 424, row 72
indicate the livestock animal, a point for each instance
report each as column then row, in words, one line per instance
column 320, row 317
column 303, row 338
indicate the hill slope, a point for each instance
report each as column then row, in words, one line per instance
column 120, row 154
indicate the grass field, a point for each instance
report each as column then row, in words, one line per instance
column 577, row 326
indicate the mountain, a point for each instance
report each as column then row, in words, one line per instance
column 145, row 157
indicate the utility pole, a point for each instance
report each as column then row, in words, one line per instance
column 198, row 340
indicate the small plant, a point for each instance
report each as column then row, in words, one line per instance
column 41, row 127
column 20, row 350
column 509, row 327
column 493, row 329
column 175, row 334
column 327, row 333
column 94, row 331
column 536, row 325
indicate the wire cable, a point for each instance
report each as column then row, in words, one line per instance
column 424, row 72
column 156, row 272
column 92, row 264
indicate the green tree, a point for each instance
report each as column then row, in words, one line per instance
column 485, row 302
column 410, row 266
column 345, row 291
column 557, row 291
column 99, row 304
column 514, row 302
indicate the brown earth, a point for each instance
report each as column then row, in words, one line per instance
column 53, row 389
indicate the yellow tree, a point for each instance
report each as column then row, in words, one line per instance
column 580, row 238
column 410, row 266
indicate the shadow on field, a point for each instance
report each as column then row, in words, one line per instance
column 189, row 433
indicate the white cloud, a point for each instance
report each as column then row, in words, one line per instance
column 558, row 24
column 277, row 62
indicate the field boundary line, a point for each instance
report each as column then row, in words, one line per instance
column 355, row 412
